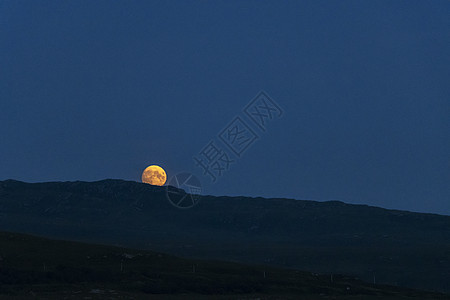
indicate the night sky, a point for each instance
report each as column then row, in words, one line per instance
column 101, row 89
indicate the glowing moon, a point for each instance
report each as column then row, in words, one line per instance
column 154, row 175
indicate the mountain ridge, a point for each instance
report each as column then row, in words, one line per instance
column 330, row 237
column 163, row 189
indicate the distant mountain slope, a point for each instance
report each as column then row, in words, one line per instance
column 32, row 267
column 395, row 247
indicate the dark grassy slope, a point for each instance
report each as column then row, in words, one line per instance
column 32, row 266
column 398, row 247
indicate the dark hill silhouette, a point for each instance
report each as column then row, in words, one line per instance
column 396, row 247
column 33, row 267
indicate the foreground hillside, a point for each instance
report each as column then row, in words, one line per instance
column 42, row 268
column 396, row 247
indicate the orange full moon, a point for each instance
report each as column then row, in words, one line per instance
column 154, row 175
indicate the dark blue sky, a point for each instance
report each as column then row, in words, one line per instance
column 101, row 89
